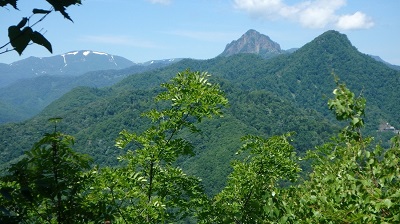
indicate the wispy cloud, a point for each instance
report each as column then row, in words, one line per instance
column 310, row 14
column 208, row 36
column 163, row 2
column 119, row 40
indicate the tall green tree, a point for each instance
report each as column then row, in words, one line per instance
column 46, row 185
column 149, row 188
column 252, row 191
column 352, row 181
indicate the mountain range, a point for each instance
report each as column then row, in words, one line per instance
column 268, row 96
column 29, row 85
column 73, row 63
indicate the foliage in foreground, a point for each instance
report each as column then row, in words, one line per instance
column 47, row 185
column 148, row 188
column 352, row 180
column 249, row 194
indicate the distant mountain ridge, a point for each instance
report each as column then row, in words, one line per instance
column 252, row 42
column 397, row 67
column 46, row 79
column 73, row 63
column 29, row 85
column 88, row 60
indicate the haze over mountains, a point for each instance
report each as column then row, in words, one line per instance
column 71, row 64
column 274, row 95
column 29, row 85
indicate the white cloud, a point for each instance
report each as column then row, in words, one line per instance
column 318, row 14
column 356, row 21
column 309, row 13
column 163, row 2
column 258, row 8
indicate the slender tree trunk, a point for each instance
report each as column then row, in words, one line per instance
column 55, row 173
column 150, row 191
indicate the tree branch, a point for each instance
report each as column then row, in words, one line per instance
column 18, row 36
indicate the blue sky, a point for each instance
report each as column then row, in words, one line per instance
column 143, row 30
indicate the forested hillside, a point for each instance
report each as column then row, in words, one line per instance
column 95, row 117
column 267, row 97
column 27, row 97
column 305, row 76
column 352, row 179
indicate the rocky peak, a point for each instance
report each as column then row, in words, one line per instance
column 252, row 42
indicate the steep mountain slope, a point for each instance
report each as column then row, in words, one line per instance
column 305, row 76
column 9, row 113
column 253, row 42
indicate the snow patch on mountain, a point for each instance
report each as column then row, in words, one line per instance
column 112, row 60
column 101, row 53
column 65, row 61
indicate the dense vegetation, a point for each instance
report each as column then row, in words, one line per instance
column 267, row 97
column 352, row 181
column 95, row 117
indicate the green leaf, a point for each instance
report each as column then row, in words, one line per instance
column 19, row 39
column 55, row 119
column 38, row 38
column 40, row 11
column 388, row 203
column 355, row 120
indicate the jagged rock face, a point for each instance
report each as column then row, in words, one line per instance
column 252, row 42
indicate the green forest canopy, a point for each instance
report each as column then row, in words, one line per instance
column 352, row 181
